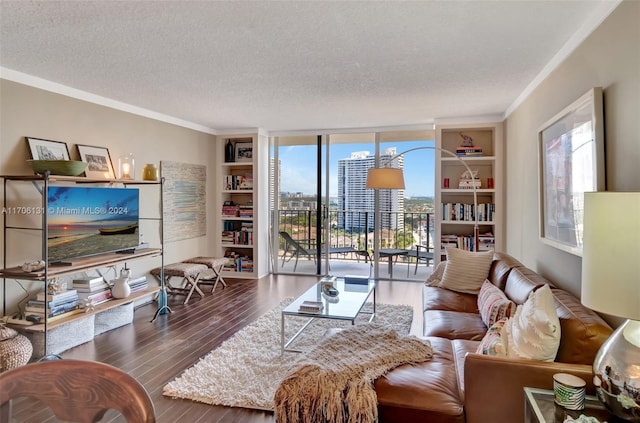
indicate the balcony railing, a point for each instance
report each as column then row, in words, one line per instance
column 349, row 228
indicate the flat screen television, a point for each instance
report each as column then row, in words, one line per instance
column 85, row 221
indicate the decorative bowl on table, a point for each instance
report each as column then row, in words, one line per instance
column 58, row 167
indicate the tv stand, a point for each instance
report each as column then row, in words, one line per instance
column 105, row 315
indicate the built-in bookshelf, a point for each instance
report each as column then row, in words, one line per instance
column 237, row 235
column 480, row 147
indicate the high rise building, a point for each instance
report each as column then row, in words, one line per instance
column 356, row 202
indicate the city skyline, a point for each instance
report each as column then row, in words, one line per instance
column 298, row 166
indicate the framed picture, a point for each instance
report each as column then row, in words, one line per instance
column 47, row 149
column 99, row 161
column 244, row 152
column 571, row 161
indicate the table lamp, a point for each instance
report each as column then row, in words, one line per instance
column 611, row 285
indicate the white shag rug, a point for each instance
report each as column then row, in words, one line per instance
column 246, row 370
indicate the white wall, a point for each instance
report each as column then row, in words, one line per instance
column 28, row 111
column 610, row 58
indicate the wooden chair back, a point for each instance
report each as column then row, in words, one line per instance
column 77, row 391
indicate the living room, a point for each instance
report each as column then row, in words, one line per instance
column 608, row 57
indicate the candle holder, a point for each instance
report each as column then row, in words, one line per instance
column 126, row 166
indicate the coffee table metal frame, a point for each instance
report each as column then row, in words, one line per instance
column 351, row 300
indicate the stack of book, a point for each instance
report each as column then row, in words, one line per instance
column 311, row 307
column 246, row 210
column 468, row 151
column 138, row 284
column 53, row 305
column 230, row 210
column 95, row 289
column 244, row 264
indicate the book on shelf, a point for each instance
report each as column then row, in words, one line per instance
column 53, row 318
column 311, row 306
column 90, row 281
column 237, row 182
column 138, row 284
column 468, row 151
column 51, row 312
column 96, row 297
column 96, row 288
column 58, row 297
column 486, row 242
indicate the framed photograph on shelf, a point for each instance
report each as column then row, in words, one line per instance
column 571, row 162
column 40, row 149
column 99, row 161
column 244, row 152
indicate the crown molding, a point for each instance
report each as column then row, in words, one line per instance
column 43, row 84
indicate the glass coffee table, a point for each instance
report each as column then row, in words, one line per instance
column 348, row 305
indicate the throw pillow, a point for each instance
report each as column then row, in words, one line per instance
column 466, row 270
column 493, row 304
column 491, row 343
column 534, row 331
column 435, row 278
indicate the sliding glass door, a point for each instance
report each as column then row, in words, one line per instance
column 325, row 220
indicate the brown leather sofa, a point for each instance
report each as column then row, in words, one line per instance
column 458, row 385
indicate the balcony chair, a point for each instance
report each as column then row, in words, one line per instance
column 296, row 250
column 421, row 253
column 77, row 391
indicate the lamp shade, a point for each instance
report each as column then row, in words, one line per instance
column 611, row 253
column 385, row 178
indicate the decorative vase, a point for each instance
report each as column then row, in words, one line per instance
column 229, row 152
column 121, row 288
column 150, row 172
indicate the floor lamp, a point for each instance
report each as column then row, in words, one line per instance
column 386, row 177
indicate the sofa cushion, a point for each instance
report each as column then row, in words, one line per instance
column 462, row 347
column 423, row 391
column 534, row 331
column 521, row 282
column 583, row 331
column 453, row 325
column 493, row 304
column 434, row 298
column 466, row 270
column 500, row 268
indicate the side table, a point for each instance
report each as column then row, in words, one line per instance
column 539, row 407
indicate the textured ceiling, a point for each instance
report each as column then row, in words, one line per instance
column 285, row 66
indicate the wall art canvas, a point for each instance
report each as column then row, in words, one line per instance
column 571, row 161
column 185, row 200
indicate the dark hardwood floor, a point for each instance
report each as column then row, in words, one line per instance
column 155, row 353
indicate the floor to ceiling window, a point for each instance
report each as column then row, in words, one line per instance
column 325, row 220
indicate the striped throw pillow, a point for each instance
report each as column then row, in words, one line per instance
column 493, row 304
column 466, row 270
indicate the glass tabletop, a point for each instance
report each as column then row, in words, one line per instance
column 541, row 408
column 347, row 305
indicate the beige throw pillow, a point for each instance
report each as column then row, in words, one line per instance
column 534, row 331
column 466, row 270
column 435, row 278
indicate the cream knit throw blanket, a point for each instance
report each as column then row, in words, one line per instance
column 334, row 382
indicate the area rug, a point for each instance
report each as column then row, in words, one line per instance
column 245, row 370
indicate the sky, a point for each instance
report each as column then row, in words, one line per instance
column 298, row 173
